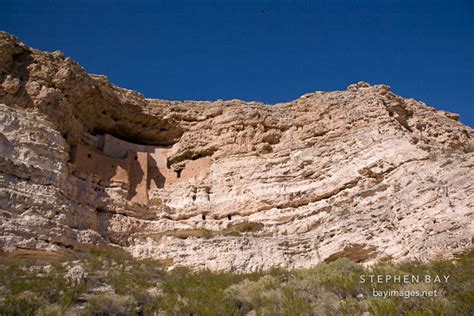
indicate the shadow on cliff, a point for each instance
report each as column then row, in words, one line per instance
column 154, row 173
column 19, row 70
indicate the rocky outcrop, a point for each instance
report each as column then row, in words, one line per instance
column 226, row 185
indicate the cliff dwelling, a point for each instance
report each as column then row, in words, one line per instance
column 140, row 168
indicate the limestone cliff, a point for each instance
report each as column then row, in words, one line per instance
column 232, row 185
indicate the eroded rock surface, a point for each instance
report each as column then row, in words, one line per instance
column 226, row 185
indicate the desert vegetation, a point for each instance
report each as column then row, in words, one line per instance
column 111, row 282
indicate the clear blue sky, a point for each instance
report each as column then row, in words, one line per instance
column 269, row 51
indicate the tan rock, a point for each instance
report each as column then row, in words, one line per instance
column 226, row 185
column 11, row 85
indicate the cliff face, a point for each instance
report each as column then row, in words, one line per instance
column 231, row 185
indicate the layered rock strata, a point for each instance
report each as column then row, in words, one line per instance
column 226, row 185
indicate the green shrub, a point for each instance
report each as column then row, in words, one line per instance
column 245, row 227
column 186, row 233
column 199, row 293
column 111, row 304
column 51, row 287
column 24, row 303
column 340, row 277
column 270, row 295
column 144, row 287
